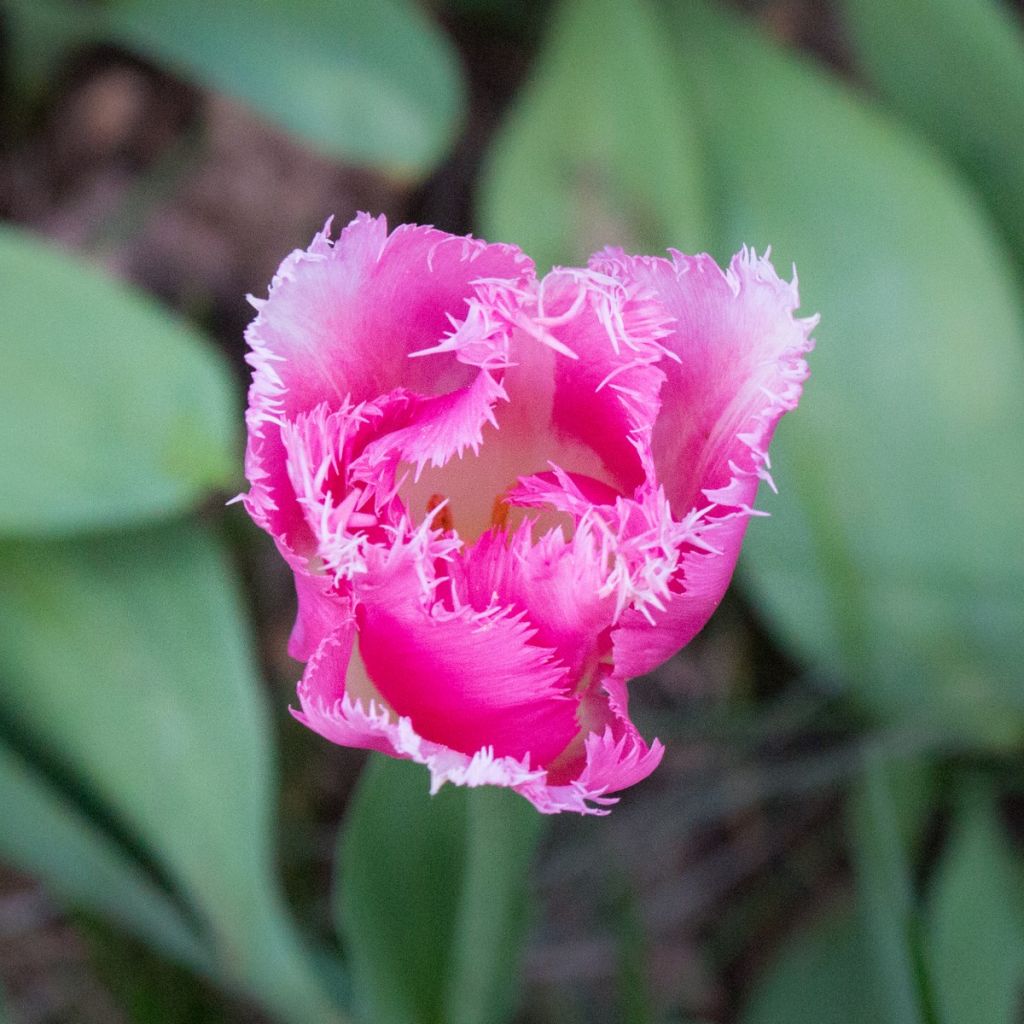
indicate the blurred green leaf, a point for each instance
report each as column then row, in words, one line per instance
column 633, row 987
column 976, row 919
column 893, row 555
column 400, row 867
column 502, row 831
column 110, row 410
column 601, row 147
column 823, row 975
column 126, row 659
column 431, row 897
column 909, row 51
column 374, row 83
column 886, row 897
column 45, row 835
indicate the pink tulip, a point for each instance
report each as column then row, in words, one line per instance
column 502, row 497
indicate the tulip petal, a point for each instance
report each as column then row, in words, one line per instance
column 613, row 759
column 466, row 678
column 556, row 584
column 342, row 318
column 740, row 366
column 338, row 328
column 606, row 397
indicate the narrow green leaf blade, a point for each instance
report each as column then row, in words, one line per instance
column 907, row 50
column 885, row 896
column 401, row 863
column 127, row 660
column 45, row 835
column 374, row 83
column 433, row 897
column 893, row 554
column 501, row 838
column 976, row 919
column 111, row 411
column 601, row 148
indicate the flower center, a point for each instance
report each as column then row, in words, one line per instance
column 476, row 486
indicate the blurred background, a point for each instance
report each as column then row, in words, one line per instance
column 836, row 835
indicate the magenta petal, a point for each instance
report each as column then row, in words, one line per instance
column 739, row 365
column 554, row 583
column 321, row 608
column 342, row 318
column 339, row 327
column 606, row 395
column 465, row 678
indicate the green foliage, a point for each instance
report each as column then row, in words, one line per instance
column 45, row 833
column 374, row 83
column 909, row 52
column 111, row 411
column 886, row 898
column 602, row 147
column 127, row 662
column 432, row 896
column 502, row 831
column 882, row 562
column 399, row 862
column 976, row 918
column 861, row 963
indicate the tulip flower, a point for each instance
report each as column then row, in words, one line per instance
column 504, row 497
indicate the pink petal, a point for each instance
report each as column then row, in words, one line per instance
column 612, row 760
column 339, row 327
column 606, row 396
column 342, row 318
column 465, row 678
column 556, row 584
column 321, row 608
column 740, row 368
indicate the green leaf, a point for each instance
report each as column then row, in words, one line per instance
column 126, row 660
column 823, row 975
column 601, row 147
column 885, row 896
column 45, row 835
column 373, row 83
column 502, row 832
column 907, row 50
column 400, row 864
column 976, row 919
column 432, row 896
column 893, row 554
column 111, row 411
